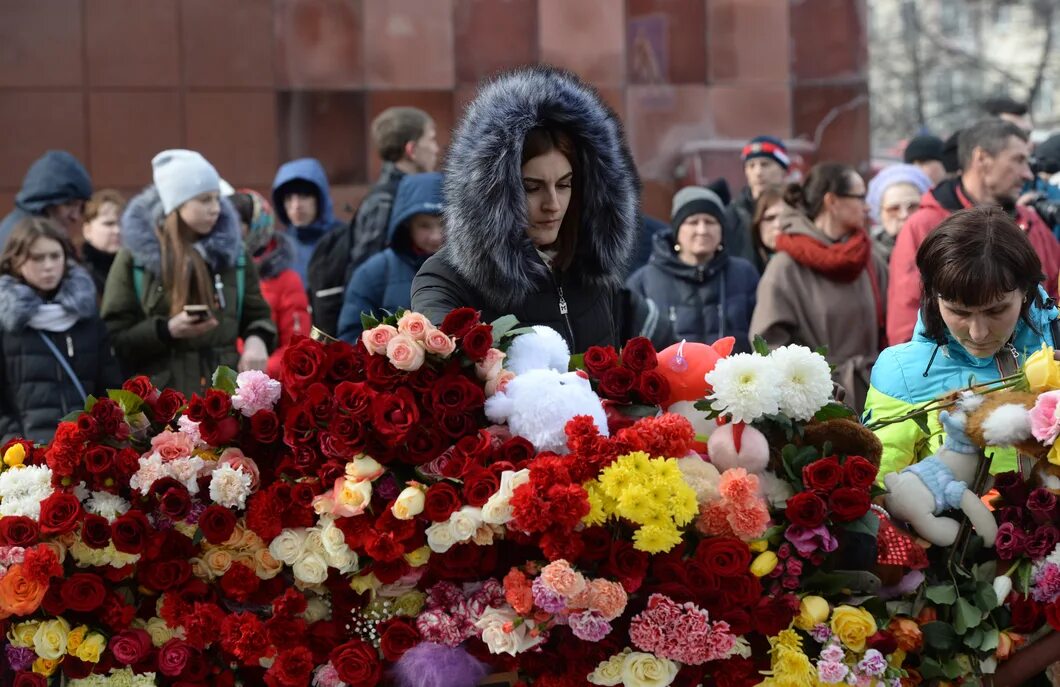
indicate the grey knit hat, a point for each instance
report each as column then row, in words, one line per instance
column 692, row 200
column 180, row 175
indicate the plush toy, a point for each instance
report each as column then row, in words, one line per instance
column 738, row 445
column 685, row 366
column 1002, row 419
column 543, row 396
column 919, row 493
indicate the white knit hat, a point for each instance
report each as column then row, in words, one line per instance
column 180, row 175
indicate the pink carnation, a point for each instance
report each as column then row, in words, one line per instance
column 255, row 391
column 713, row 520
column 1045, row 425
column 607, row 598
column 172, row 445
column 751, row 522
column 589, row 626
column 831, row 672
column 680, row 632
column 738, row 487
column 560, row 578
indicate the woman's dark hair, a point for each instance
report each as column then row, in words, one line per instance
column 770, row 196
column 244, row 205
column 22, row 237
column 976, row 257
column 543, row 140
column 824, row 178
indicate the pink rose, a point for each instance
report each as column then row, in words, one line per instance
column 414, row 325
column 376, row 339
column 439, row 343
column 499, row 383
column 173, row 657
column 405, row 353
column 173, row 445
column 490, row 366
column 1045, row 425
column 130, row 646
column 237, row 459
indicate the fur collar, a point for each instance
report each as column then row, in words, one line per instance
column 220, row 248
column 279, row 257
column 18, row 300
column 485, row 205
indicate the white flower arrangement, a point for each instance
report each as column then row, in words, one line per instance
column 22, row 489
column 792, row 381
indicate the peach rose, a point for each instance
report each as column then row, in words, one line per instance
column 490, row 366
column 173, row 445
column 414, row 325
column 439, row 343
column 405, row 353
column 19, row 595
column 237, row 459
column 265, row 565
column 217, row 561
column 907, row 633
column 499, row 383
column 376, row 339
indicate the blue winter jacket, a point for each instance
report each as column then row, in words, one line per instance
column 384, row 281
column 54, row 178
column 910, row 374
column 310, row 170
column 703, row 303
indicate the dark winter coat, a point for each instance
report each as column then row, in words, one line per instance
column 98, row 265
column 737, row 239
column 384, row 282
column 488, row 262
column 53, row 179
column 305, row 238
column 371, row 224
column 138, row 323
column 703, row 303
column 35, row 390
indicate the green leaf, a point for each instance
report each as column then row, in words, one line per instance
column 1023, row 579
column 940, row 636
column 72, row 417
column 833, row 411
column 760, row 346
column 577, row 362
column 965, row 616
column 502, row 325
column 985, row 597
column 225, row 380
column 821, row 351
column 639, row 411
column 953, row 669
column 930, row 669
column 991, row 637
column 974, row 639
column 703, row 405
column 867, row 524
column 519, row 331
column 197, row 537
column 943, row 594
column 368, row 321
column 90, row 403
column 130, row 403
column 921, row 422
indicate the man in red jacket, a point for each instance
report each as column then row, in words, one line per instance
column 994, row 156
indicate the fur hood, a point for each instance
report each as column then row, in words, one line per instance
column 143, row 215
column 278, row 259
column 485, row 205
column 19, row 301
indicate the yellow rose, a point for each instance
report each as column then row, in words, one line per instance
column 647, row 670
column 764, row 564
column 1042, row 371
column 49, row 641
column 160, row 632
column 45, row 666
column 22, row 634
column 813, row 610
column 14, row 456
column 74, row 639
column 91, row 649
column 418, row 557
column 365, row 583
column 853, row 626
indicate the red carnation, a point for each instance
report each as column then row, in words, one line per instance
column 291, row 668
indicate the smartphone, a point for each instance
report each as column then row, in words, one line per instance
column 198, row 313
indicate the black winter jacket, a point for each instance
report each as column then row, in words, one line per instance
column 35, row 391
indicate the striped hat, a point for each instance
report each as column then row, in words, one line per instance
column 766, row 146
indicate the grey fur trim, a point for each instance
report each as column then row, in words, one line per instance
column 143, row 215
column 19, row 301
column 485, row 205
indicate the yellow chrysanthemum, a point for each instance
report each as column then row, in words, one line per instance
column 596, row 515
column 654, row 539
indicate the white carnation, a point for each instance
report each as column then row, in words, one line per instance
column 310, row 569
column 107, row 505
column 22, row 490
column 805, row 383
column 186, row 471
column 230, row 486
column 745, row 387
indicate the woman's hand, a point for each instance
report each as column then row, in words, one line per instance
column 184, row 326
column 255, row 354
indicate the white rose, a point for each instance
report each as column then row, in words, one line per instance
column 287, row 547
column 494, row 623
column 160, row 632
column 609, row 673
column 332, row 538
column 310, row 569
column 351, row 498
column 409, row 503
column 465, row 522
column 646, row 670
column 440, row 537
column 314, row 542
column 344, row 561
column 363, row 468
column 498, row 510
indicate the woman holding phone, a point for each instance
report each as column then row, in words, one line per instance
column 182, row 289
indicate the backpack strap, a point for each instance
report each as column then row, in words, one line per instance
column 241, row 285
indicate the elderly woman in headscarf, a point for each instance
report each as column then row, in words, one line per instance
column 893, row 195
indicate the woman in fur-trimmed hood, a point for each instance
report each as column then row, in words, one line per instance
column 182, row 252
column 540, row 211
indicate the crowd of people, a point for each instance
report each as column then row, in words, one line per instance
column 941, row 267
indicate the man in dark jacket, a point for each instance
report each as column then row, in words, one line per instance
column 405, row 139
column 765, row 163
column 56, row 185
column 302, row 200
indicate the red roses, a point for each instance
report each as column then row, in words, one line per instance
column 630, row 377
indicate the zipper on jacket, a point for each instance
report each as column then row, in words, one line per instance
column 69, row 347
column 218, row 287
column 563, row 311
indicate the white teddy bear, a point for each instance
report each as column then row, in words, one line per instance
column 544, row 397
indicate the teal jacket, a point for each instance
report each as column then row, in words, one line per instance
column 913, row 373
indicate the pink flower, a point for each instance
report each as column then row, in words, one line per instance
column 376, row 339
column 560, row 578
column 414, row 325
column 588, row 626
column 173, row 445
column 490, row 366
column 714, row 520
column 607, row 598
column 831, row 672
column 188, row 426
column 680, row 632
column 499, row 383
column 405, row 353
column 749, row 523
column 439, row 343
column 1045, row 424
column 255, row 391
column 806, row 540
column 239, row 461
column 738, row 487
